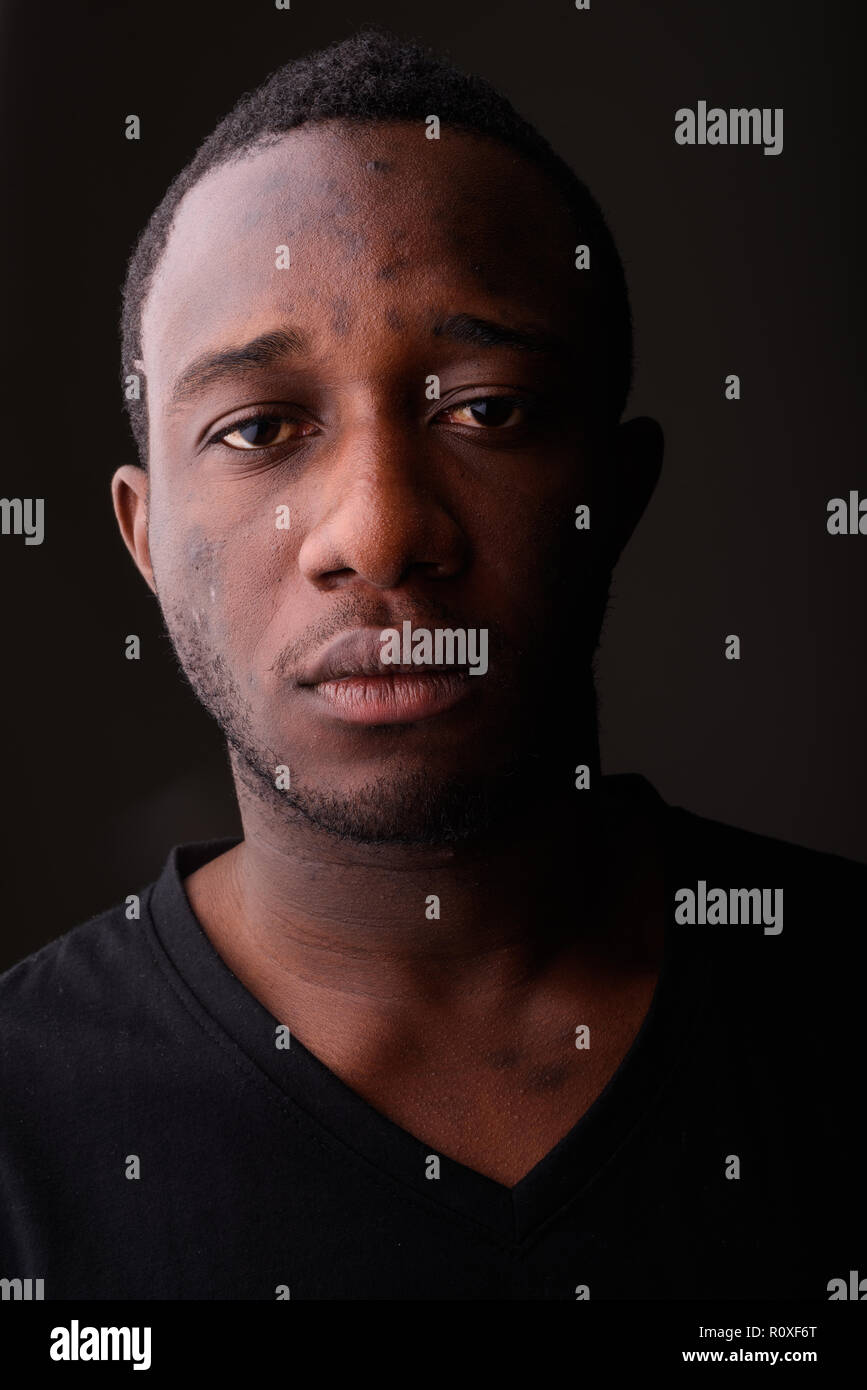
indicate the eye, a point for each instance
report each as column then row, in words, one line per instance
column 261, row 432
column 488, row 412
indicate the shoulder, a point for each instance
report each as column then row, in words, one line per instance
column 805, row 973
column 84, row 981
column 821, row 877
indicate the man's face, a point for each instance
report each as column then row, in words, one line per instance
column 365, row 500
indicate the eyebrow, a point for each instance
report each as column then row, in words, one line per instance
column 264, row 351
column 270, row 348
column 466, row 328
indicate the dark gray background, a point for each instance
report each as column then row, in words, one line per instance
column 737, row 262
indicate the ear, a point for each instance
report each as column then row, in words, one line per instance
column 130, row 493
column 633, row 467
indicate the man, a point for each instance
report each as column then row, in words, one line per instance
column 458, row 1018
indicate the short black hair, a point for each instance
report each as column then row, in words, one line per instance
column 375, row 75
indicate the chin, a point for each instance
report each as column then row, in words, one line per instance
column 410, row 809
column 411, row 802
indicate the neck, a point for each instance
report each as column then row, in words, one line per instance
column 305, row 920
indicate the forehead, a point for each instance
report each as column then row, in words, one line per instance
column 374, row 215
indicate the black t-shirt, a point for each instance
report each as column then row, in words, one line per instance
column 155, row 1142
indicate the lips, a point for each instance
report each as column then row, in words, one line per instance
column 359, row 653
column 353, row 683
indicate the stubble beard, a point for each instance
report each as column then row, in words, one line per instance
column 406, row 807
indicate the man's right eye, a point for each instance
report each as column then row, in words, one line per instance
column 260, row 432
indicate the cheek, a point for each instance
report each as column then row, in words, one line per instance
column 224, row 580
column 188, row 565
column 530, row 541
column 535, row 570
column 242, row 585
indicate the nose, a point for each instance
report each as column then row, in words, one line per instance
column 382, row 511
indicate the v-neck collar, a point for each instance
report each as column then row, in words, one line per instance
column 510, row 1215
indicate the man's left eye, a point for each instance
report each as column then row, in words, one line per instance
column 490, row 412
